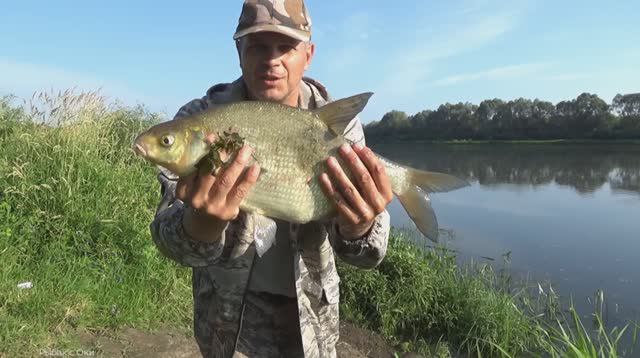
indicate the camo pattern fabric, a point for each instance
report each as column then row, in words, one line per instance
column 289, row 17
column 229, row 319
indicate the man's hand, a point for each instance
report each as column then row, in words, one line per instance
column 215, row 200
column 359, row 204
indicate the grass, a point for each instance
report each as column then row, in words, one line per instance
column 423, row 301
column 75, row 207
column 442, row 305
column 74, row 214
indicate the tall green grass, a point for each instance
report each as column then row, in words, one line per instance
column 74, row 214
column 422, row 298
column 75, row 205
column 423, row 301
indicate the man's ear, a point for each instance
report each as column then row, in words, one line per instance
column 310, row 51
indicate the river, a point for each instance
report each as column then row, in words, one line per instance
column 567, row 215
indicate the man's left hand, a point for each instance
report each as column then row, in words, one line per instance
column 358, row 204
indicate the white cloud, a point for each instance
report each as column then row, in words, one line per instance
column 458, row 40
column 414, row 64
column 511, row 71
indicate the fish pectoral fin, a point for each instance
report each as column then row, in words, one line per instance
column 168, row 173
column 418, row 206
column 338, row 114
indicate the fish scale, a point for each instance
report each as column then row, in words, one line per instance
column 291, row 146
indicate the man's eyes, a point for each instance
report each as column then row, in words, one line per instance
column 257, row 47
column 286, row 48
column 262, row 48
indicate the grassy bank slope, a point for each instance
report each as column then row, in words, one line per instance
column 74, row 214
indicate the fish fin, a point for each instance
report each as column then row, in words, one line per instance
column 166, row 172
column 433, row 182
column 418, row 206
column 338, row 114
column 430, row 182
column 414, row 198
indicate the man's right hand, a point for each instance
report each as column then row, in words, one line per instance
column 215, row 200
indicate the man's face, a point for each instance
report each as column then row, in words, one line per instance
column 273, row 64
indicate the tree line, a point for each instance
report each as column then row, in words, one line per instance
column 583, row 167
column 585, row 117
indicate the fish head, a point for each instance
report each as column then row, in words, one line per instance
column 172, row 145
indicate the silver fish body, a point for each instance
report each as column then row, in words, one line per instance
column 291, row 146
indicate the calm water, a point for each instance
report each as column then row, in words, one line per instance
column 569, row 214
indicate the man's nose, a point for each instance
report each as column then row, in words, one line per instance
column 272, row 55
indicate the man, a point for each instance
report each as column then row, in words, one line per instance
column 284, row 303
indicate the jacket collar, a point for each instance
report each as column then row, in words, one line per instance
column 312, row 94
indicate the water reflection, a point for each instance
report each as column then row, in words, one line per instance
column 585, row 168
column 562, row 212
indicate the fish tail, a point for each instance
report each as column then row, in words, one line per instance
column 412, row 186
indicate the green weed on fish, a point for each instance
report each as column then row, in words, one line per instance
column 228, row 142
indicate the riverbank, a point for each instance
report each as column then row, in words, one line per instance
column 74, row 216
column 168, row 342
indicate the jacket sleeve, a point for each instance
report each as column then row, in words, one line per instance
column 166, row 228
column 369, row 250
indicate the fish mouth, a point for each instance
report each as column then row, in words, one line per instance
column 139, row 150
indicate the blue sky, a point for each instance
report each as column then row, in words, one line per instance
column 413, row 54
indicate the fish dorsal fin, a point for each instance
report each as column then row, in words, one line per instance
column 338, row 114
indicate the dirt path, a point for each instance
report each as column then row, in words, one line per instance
column 355, row 342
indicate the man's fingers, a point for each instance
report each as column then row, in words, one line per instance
column 366, row 184
column 241, row 190
column 229, row 175
column 200, row 192
column 377, row 172
column 210, row 138
column 343, row 208
column 348, row 191
column 184, row 185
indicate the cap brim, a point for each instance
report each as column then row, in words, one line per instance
column 287, row 31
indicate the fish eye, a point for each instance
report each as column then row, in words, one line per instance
column 167, row 140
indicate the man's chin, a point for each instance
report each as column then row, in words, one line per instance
column 269, row 94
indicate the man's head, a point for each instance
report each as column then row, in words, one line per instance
column 273, row 42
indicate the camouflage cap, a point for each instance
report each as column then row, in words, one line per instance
column 288, row 17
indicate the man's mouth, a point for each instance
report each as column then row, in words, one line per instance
column 270, row 79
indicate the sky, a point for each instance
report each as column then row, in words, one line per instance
column 414, row 55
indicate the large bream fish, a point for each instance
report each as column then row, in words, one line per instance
column 291, row 146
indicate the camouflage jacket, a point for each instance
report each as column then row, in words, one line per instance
column 222, row 320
